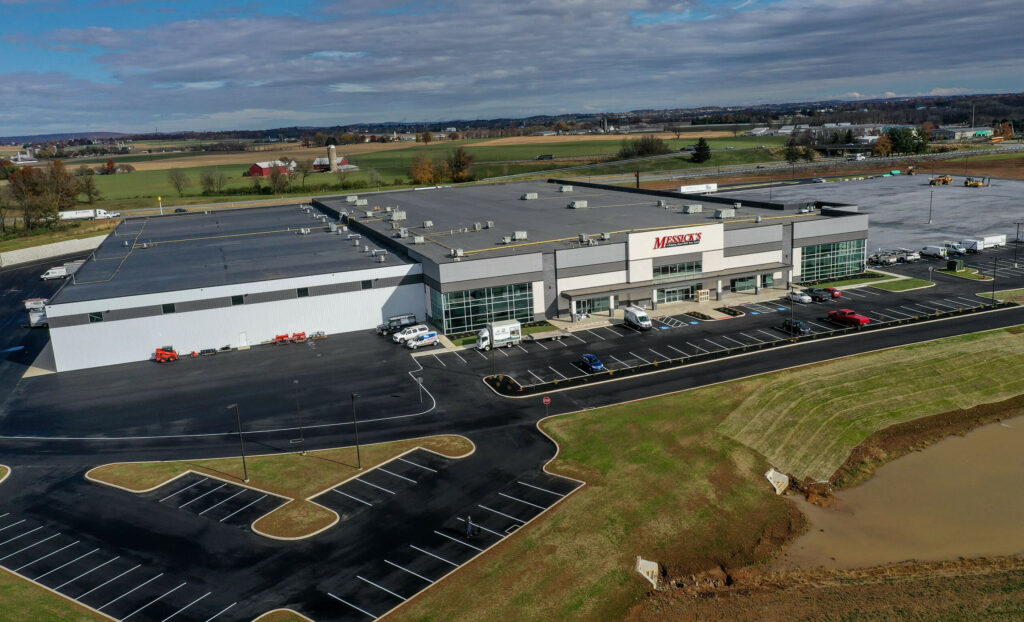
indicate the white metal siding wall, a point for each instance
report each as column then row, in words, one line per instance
column 124, row 341
column 753, row 259
column 592, row 280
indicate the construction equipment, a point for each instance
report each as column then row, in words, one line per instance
column 911, row 170
column 298, row 337
column 165, row 354
column 942, row 180
column 279, row 339
column 976, row 182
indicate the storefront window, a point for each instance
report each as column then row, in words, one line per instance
column 677, row 294
column 742, row 284
column 595, row 305
column 468, row 310
column 829, row 261
column 677, row 270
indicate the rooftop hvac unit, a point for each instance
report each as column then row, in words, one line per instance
column 606, row 236
column 506, row 239
column 361, row 202
column 489, row 225
column 529, row 196
column 366, row 249
column 456, row 252
column 477, row 226
column 352, row 198
column 584, row 238
column 428, row 224
column 381, row 258
column 519, row 235
column 388, row 209
column 378, row 251
column 418, row 239
column 662, row 203
column 403, row 232
column 577, row 204
column 693, row 208
column 758, row 219
column 398, row 214
column 355, row 243
column 353, row 236
column 368, row 214
column 304, row 231
column 737, row 205
column 565, row 189
column 725, row 212
column 332, row 227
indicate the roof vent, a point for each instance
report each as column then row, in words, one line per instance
column 584, row 238
column 378, row 251
column 506, row 239
column 519, row 235
column 737, row 205
column 606, row 236
column 388, row 209
column 366, row 249
column 418, row 239
column 332, row 227
column 577, row 204
column 304, row 231
column 355, row 243
column 529, row 196
column 757, row 219
column 565, row 189
column 428, row 224
column 489, row 225
column 693, row 208
column 368, row 214
column 477, row 226
column 352, row 198
column 455, row 252
column 398, row 214
column 663, row 203
column 725, row 212
column 353, row 236
column 361, row 202
column 403, row 232
column 381, row 258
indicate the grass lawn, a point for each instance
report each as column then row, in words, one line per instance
column 289, row 475
column 903, row 285
column 679, row 479
column 281, row 615
column 967, row 273
column 527, row 330
column 23, row 600
column 1011, row 295
column 870, row 278
column 4, row 472
column 83, row 229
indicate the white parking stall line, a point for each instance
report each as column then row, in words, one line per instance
column 390, row 492
column 564, row 377
column 417, row 465
column 522, row 348
column 45, row 556
column 444, row 535
column 539, row 507
column 640, row 357
column 49, row 572
column 897, row 313
column 869, row 292
column 183, row 490
column 721, row 347
column 677, row 350
column 733, row 340
column 404, row 569
column 502, row 352
column 201, row 496
column 881, row 317
column 186, row 607
column 86, row 572
column 659, row 354
column 459, row 357
column 563, row 344
column 408, row 479
column 224, row 501
column 936, row 302
column 481, row 353
column 581, row 340
column 500, row 535
column 28, row 547
column 221, row 612
column 754, row 338
column 541, row 345
column 914, row 311
column 108, row 581
column 617, row 361
column 850, row 292
column 974, row 302
column 961, row 305
column 534, row 375
column 167, row 593
column 144, row 583
column 352, row 497
column 924, row 306
column 596, row 335
column 13, row 524
column 824, row 328
column 382, row 588
column 242, row 508
column 771, row 337
column 4, row 514
column 617, row 333
column 557, row 494
column 698, row 347
column 447, row 561
column 21, row 535
column 502, row 513
column 349, row 604
column 438, row 359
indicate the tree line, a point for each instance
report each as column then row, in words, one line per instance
column 40, row 193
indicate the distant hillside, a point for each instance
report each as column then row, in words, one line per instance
column 45, row 138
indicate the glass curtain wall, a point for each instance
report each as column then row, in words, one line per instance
column 472, row 309
column 829, row 261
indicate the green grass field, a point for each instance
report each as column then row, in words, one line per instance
column 22, row 600
column 870, row 278
column 903, row 285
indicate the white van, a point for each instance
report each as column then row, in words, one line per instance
column 426, row 339
column 637, row 318
column 934, row 251
column 954, row 248
column 410, row 333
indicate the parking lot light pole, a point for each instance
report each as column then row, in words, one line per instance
column 241, row 442
column 355, row 427
column 931, row 195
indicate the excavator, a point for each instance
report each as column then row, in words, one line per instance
column 977, row 182
column 942, row 180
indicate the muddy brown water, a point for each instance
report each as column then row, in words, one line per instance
column 962, row 497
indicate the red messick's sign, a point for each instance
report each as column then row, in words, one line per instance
column 682, row 239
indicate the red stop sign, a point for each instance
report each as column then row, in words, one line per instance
column 547, row 400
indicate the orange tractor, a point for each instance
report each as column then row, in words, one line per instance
column 165, row 354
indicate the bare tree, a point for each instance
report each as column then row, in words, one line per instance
column 304, row 168
column 373, row 178
column 278, row 180
column 207, row 182
column 179, row 180
column 87, row 186
column 220, row 180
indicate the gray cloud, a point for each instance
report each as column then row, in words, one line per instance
column 465, row 59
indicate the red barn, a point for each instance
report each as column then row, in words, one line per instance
column 264, row 169
column 324, row 164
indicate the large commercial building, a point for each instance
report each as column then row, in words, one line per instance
column 459, row 257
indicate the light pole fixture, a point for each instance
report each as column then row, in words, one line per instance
column 241, row 441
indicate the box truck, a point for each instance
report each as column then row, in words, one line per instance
column 506, row 333
column 994, row 240
column 88, row 214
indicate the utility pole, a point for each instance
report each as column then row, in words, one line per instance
column 241, row 442
column 355, row 425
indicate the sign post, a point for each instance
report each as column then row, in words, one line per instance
column 547, row 404
column 160, row 200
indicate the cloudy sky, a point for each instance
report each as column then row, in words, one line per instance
column 140, row 65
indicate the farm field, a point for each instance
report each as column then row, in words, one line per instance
column 686, row 492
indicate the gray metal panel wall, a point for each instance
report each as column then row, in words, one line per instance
column 734, row 251
column 830, row 226
column 281, row 294
column 394, row 281
column 828, row 239
column 550, row 291
column 590, row 255
column 787, row 245
column 748, row 236
column 564, row 273
column 202, row 305
column 508, row 279
column 132, row 313
column 335, row 288
column 674, row 259
column 496, row 267
column 68, row 320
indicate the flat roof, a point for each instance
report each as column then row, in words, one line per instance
column 549, row 224
column 219, row 247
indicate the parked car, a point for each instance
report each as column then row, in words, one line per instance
column 883, row 258
column 819, row 180
column 426, row 339
column 818, row 295
column 905, row 254
column 933, row 251
column 591, row 363
column 848, row 317
column 799, row 297
column 795, row 327
column 410, row 332
column 836, row 293
column 180, row 210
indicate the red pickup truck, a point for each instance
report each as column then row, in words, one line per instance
column 848, row 316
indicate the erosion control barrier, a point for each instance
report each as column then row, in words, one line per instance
column 509, row 386
column 45, row 251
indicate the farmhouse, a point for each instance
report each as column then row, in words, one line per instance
column 264, row 169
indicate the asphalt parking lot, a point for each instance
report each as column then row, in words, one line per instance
column 216, row 500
